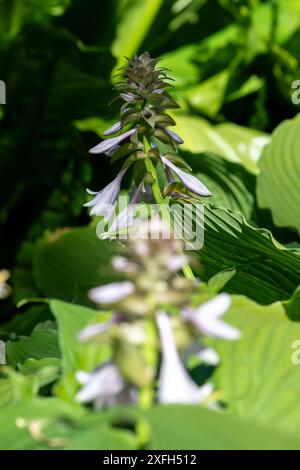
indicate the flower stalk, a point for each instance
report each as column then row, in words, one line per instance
column 153, row 326
column 143, row 137
column 155, row 322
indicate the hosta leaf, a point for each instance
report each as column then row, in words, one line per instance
column 219, row 280
column 208, row 97
column 251, row 85
column 234, row 143
column 71, row 319
column 15, row 387
column 257, row 377
column 69, row 263
column 183, row 62
column 71, row 424
column 46, row 370
column 22, row 324
column 278, row 181
column 265, row 270
column 95, row 433
column 193, row 427
column 230, row 184
column 51, row 410
column 181, row 65
column 292, row 306
column 42, row 343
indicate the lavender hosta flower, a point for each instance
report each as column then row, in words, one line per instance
column 123, row 265
column 104, row 202
column 175, row 385
column 111, row 293
column 112, row 151
column 175, row 136
column 207, row 318
column 128, row 97
column 109, row 144
column 92, row 331
column 114, row 128
column 125, row 218
column 190, row 181
column 176, row 262
column 104, row 387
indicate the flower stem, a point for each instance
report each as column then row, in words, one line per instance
column 150, row 354
column 146, row 394
column 155, row 186
column 159, row 199
column 188, row 273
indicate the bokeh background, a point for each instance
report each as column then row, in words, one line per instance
column 233, row 61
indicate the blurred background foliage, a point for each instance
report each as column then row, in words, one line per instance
column 233, row 62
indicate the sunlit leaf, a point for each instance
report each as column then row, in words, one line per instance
column 278, row 181
column 257, row 378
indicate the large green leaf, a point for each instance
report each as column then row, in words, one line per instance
column 13, row 437
column 45, row 370
column 15, row 387
column 226, row 86
column 95, row 433
column 71, row 319
column 232, row 142
column 278, row 181
column 42, row 343
column 257, row 377
column 265, row 270
column 22, row 324
column 208, row 97
column 193, row 427
column 230, row 184
column 69, row 423
column 16, row 438
column 181, row 65
column 292, row 306
column 69, row 263
column 192, row 62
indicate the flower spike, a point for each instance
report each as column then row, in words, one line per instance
column 137, row 135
